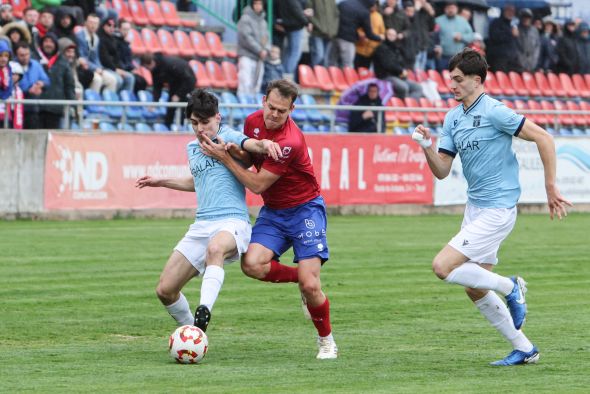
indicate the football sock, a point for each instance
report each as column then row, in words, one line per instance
column 320, row 316
column 181, row 311
column 494, row 309
column 280, row 273
column 474, row 276
column 212, row 282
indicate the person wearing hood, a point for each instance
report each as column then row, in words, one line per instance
column 583, row 46
column 65, row 21
column 61, row 82
column 253, row 48
column 548, row 53
column 17, row 32
column 567, row 51
column 6, row 84
column 529, row 42
column 108, row 52
column 82, row 78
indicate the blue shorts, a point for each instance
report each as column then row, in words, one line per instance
column 303, row 227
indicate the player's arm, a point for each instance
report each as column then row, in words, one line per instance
column 265, row 147
column 186, row 184
column 532, row 132
column 439, row 163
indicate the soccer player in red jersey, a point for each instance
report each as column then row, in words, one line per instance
column 294, row 213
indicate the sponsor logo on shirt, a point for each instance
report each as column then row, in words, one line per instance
column 286, row 151
column 256, row 132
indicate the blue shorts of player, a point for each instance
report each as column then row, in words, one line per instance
column 303, row 227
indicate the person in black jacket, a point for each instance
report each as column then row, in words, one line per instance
column 126, row 56
column 174, row 71
column 291, row 19
column 502, row 44
column 567, row 51
column 108, row 52
column 365, row 121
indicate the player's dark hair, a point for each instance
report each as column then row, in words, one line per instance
column 470, row 62
column 285, row 88
column 202, row 104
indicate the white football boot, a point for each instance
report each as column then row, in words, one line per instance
column 327, row 348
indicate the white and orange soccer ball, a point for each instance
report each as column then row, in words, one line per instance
column 188, row 344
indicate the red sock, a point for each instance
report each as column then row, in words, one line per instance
column 280, row 273
column 320, row 315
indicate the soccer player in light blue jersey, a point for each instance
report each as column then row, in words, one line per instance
column 480, row 130
column 221, row 232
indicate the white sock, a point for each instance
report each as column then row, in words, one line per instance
column 212, row 282
column 474, row 276
column 492, row 307
column 180, row 311
column 329, row 337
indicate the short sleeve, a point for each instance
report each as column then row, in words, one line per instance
column 234, row 136
column 506, row 120
column 446, row 144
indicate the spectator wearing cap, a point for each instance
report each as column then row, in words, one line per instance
column 567, row 51
column 365, row 47
column 529, row 42
column 6, row 15
column 455, row 33
column 548, row 54
column 502, row 45
column 583, row 45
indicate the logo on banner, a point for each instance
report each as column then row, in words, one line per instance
column 83, row 174
column 576, row 156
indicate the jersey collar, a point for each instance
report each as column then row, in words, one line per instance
column 477, row 100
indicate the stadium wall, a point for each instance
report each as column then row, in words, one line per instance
column 76, row 176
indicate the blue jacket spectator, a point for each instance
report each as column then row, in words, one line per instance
column 455, row 33
column 88, row 43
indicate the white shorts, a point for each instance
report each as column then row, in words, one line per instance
column 482, row 232
column 194, row 244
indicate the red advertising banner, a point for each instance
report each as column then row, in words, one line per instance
column 99, row 171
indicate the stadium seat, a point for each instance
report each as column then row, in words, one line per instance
column 571, row 90
column 518, row 84
column 585, row 106
column 549, row 106
column 314, row 115
column 122, row 9
column 136, row 42
column 443, row 106
column 146, row 74
column 564, row 119
column 531, row 84
column 18, row 6
column 148, row 113
column 504, row 83
column 446, row 77
column 237, row 114
column 299, row 115
column 579, row 119
column 365, row 73
column 410, row 75
column 168, row 43
column 510, row 104
column 417, row 117
column 199, row 44
column 452, row 102
column 556, row 85
column 541, row 119
column 491, row 85
column 154, row 13
column 397, row 115
column 106, row 126
column 216, row 74
column 432, row 118
column 338, row 78
column 183, row 42
column 137, row 12
column 580, row 84
column 441, row 86
column 307, row 78
column 125, row 127
column 151, row 40
column 114, row 112
column 94, row 109
column 160, row 128
column 543, row 84
column 323, row 77
column 128, row 96
column 350, row 75
column 215, row 44
column 421, row 76
column 143, row 127
column 201, row 74
column 169, row 14
column 230, row 71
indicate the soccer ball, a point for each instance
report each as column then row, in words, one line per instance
column 188, row 344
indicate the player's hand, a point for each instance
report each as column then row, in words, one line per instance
column 272, row 149
column 147, row 181
column 212, row 149
column 422, row 136
column 557, row 204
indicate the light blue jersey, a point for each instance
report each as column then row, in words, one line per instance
column 219, row 194
column 482, row 136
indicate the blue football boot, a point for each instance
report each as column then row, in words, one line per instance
column 518, row 357
column 516, row 302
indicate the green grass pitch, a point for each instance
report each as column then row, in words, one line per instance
column 78, row 313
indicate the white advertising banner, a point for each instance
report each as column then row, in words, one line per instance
column 573, row 173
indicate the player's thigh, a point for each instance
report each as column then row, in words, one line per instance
column 229, row 239
column 447, row 260
column 309, row 270
column 308, row 232
column 257, row 254
column 176, row 273
column 268, row 238
column 221, row 246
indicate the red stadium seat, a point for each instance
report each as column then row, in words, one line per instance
column 18, row 6
column 531, row 84
column 365, row 73
column 351, row 75
column 518, row 84
column 580, row 84
column 417, row 117
column 122, row 9
column 579, row 119
column 510, row 104
column 136, row 42
column 446, row 77
column 431, row 117
column 452, row 102
column 541, row 119
column 421, row 76
column 441, row 86
column 543, row 84
column 138, row 14
column 216, row 73
column 323, row 77
column 397, row 116
column 154, row 13
column 561, row 119
column 168, row 43
column 146, row 74
column 585, row 106
column 410, row 75
column 556, row 85
column 199, row 44
column 183, row 42
column 215, row 45
column 565, row 119
column 492, row 87
column 338, row 78
column 571, row 90
column 307, row 77
column 170, row 15
column 231, row 74
column 151, row 41
column 504, row 83
column 587, row 79
column 441, row 104
column 201, row 74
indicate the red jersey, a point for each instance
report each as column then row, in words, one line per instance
column 297, row 184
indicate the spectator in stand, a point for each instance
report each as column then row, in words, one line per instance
column 365, row 47
column 389, row 65
column 467, row 14
column 16, row 33
column 548, row 54
column 108, row 52
column 66, row 21
column 529, row 42
column 421, row 16
column 502, row 45
column 395, row 18
column 365, row 121
column 6, row 15
column 292, row 20
column 584, row 48
column 88, row 48
column 45, row 24
column 87, row 7
column 6, row 83
column 61, row 86
column 354, row 14
column 253, row 47
column 31, row 18
column 273, row 67
column 455, row 33
column 32, row 84
column 125, row 54
column 434, row 49
column 567, row 51
column 322, row 28
column 16, row 111
column 82, row 77
column 478, row 45
column 174, row 71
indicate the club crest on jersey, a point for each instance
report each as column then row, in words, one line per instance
column 286, row 151
column 476, row 120
column 455, row 123
column 256, row 132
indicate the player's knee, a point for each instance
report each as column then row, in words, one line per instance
column 309, row 287
column 166, row 294
column 439, row 268
column 214, row 251
column 251, row 269
column 475, row 294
